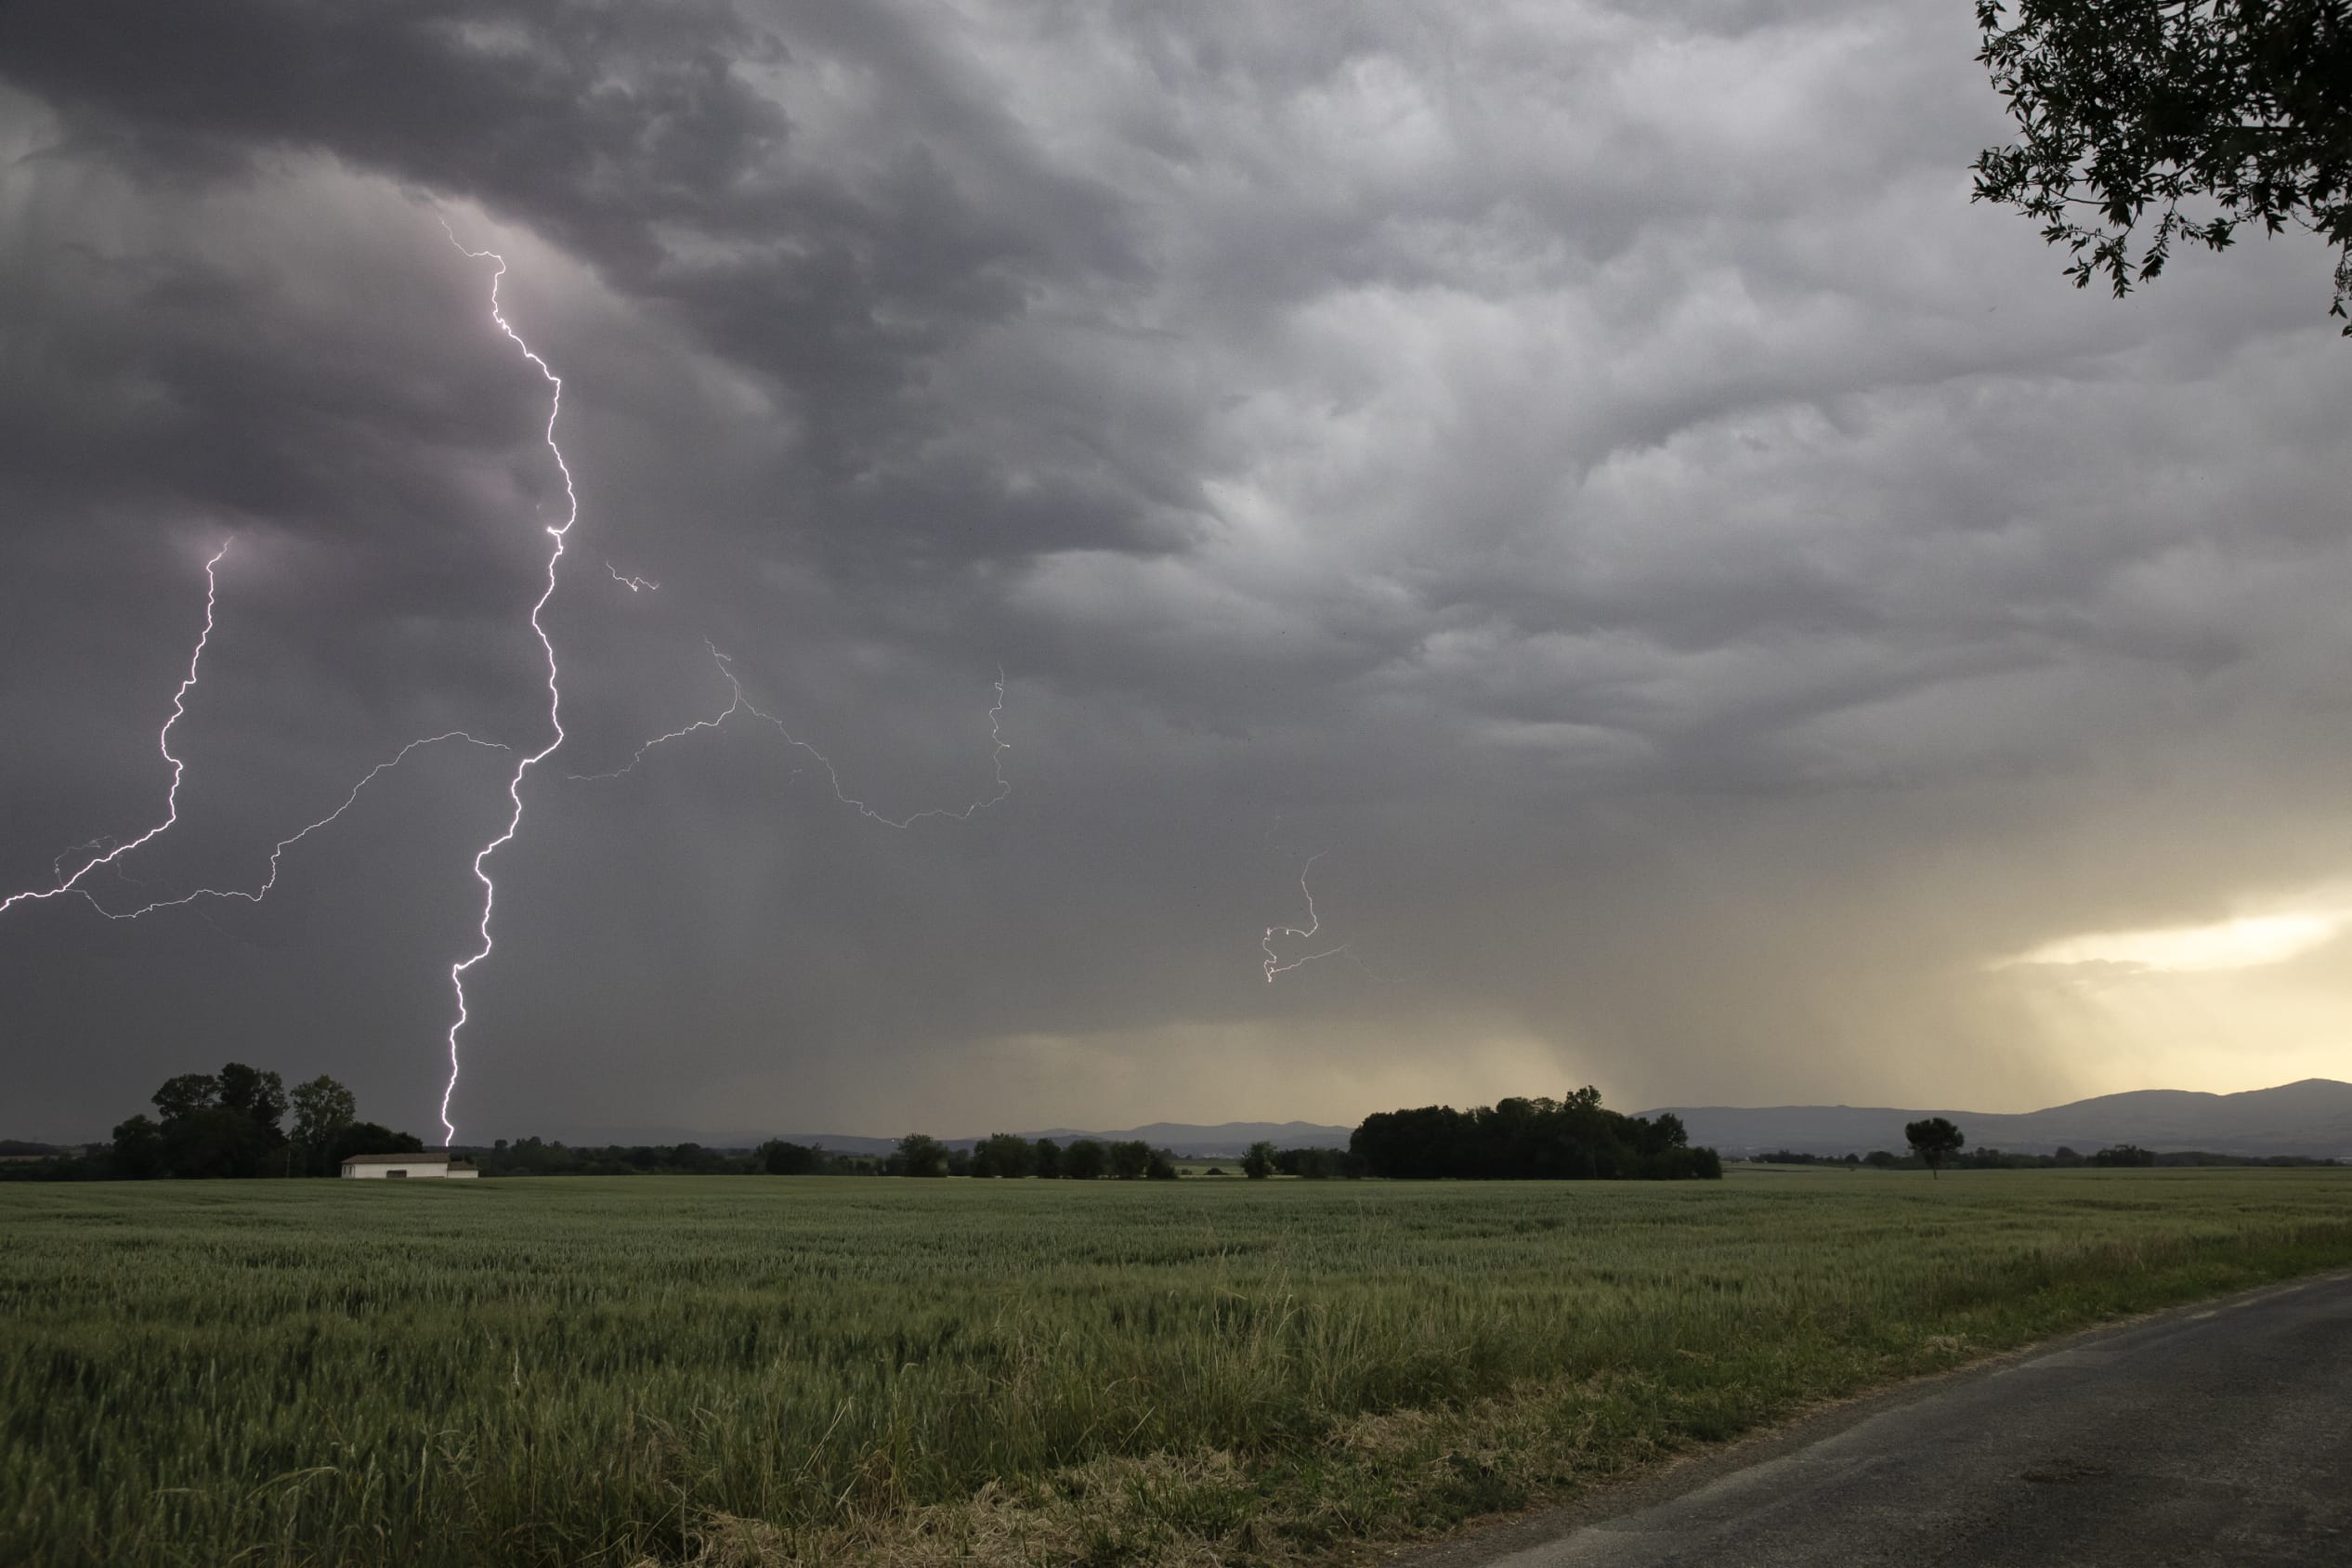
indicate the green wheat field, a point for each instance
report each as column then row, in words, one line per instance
column 737, row 1370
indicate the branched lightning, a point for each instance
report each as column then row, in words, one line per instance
column 278, row 853
column 164, row 743
column 555, row 692
column 723, row 715
column 94, row 856
column 740, row 702
column 1315, row 922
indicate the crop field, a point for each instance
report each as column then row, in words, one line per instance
column 731, row 1371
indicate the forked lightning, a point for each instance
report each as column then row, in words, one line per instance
column 742, row 703
column 163, row 742
column 1315, row 922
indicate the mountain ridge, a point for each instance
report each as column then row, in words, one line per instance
column 2308, row 1117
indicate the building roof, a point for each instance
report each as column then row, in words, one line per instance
column 430, row 1157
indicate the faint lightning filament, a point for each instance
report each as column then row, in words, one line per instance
column 1315, row 922
column 742, row 703
column 556, row 532
column 633, row 585
column 164, row 744
column 278, row 853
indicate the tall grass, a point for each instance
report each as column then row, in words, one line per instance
column 606, row 1371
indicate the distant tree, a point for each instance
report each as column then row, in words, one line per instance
column 1130, row 1158
column 1003, row 1154
column 958, row 1162
column 1045, row 1159
column 223, row 1124
column 257, row 1096
column 2127, row 108
column 1085, row 1160
column 137, row 1152
column 1422, row 1144
column 2124, row 1154
column 186, row 1094
column 920, row 1155
column 780, row 1159
column 693, row 1159
column 1311, row 1165
column 1934, row 1140
column 216, row 1141
column 2066, row 1157
column 1258, row 1164
column 1160, row 1166
column 321, row 1109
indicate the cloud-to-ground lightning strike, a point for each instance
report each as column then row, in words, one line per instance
column 742, row 703
column 164, row 743
column 633, row 585
column 1315, row 922
column 556, row 532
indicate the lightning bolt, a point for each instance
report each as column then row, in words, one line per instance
column 1315, row 922
column 278, row 853
column 555, row 692
column 164, row 744
column 740, row 702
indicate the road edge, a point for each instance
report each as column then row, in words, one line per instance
column 1482, row 1542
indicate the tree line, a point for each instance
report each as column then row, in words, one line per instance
column 232, row 1123
column 1575, row 1139
column 1532, row 1139
column 1004, row 1155
column 918, row 1154
column 1010, row 1154
column 2063, row 1158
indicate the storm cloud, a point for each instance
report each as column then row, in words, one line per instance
column 1711, row 597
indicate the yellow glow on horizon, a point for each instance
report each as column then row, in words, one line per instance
column 2247, row 942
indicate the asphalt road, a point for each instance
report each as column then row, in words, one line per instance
column 2209, row 1435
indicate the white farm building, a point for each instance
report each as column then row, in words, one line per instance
column 373, row 1168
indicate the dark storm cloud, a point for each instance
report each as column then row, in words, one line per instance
column 637, row 138
column 1709, row 591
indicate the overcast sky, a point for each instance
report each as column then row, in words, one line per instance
column 1731, row 622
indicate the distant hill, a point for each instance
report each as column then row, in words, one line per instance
column 1181, row 1138
column 2310, row 1117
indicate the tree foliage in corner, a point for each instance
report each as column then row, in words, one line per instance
column 2128, row 107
